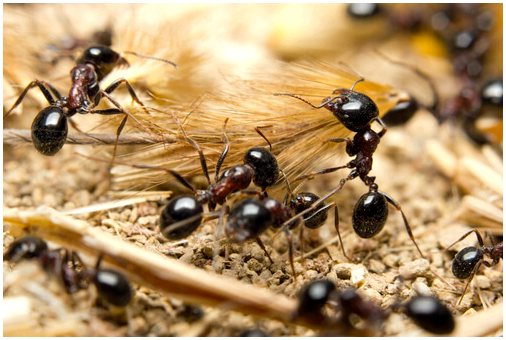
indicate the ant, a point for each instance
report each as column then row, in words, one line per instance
column 112, row 286
column 427, row 312
column 356, row 111
column 468, row 260
column 251, row 217
column 50, row 128
column 316, row 295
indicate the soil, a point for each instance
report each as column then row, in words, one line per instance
column 403, row 169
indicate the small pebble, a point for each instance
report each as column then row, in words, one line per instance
column 415, row 268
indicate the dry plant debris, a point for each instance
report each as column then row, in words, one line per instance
column 444, row 183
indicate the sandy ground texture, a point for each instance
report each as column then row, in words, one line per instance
column 444, row 184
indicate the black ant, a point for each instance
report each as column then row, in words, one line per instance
column 356, row 111
column 112, row 286
column 427, row 312
column 468, row 260
column 316, row 295
column 250, row 217
column 50, row 128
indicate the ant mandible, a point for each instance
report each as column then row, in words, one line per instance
column 356, row 111
column 50, row 128
column 468, row 260
column 112, row 286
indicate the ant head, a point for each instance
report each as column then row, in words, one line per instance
column 430, row 314
column 247, row 220
column 353, row 109
column 313, row 297
column 49, row 130
column 25, row 248
column 264, row 165
column 401, row 112
column 362, row 10
column 103, row 58
column 181, row 208
column 316, row 217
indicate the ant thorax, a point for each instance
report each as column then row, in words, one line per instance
column 84, row 90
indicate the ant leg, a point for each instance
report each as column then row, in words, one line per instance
column 44, row 87
column 336, row 225
column 290, row 252
column 197, row 147
column 469, row 281
column 131, row 90
column 406, row 223
column 383, row 127
column 261, row 244
column 478, row 236
column 224, row 153
column 301, row 242
column 322, row 172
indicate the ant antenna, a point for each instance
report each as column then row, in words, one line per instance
column 361, row 79
column 418, row 72
column 304, row 100
column 224, row 152
column 257, row 129
column 150, row 57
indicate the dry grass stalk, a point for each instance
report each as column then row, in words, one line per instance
column 299, row 134
column 18, row 137
column 479, row 176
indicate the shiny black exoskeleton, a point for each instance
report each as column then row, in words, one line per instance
column 180, row 208
column 363, row 10
column 370, row 214
column 430, row 314
column 265, row 167
column 468, row 260
column 313, row 297
column 401, row 113
column 27, row 247
column 247, row 220
column 184, row 214
column 113, row 287
column 67, row 266
column 492, row 92
column 317, row 294
column 49, row 128
column 314, row 218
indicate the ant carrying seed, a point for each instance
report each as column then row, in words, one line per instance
column 112, row 286
column 356, row 111
column 468, row 260
column 50, row 128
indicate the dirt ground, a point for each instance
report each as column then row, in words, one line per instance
column 404, row 169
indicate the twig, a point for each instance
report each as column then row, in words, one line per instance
column 17, row 137
column 154, row 270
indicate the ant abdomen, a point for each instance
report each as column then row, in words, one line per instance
column 49, row 130
column 430, row 314
column 247, row 220
column 113, row 287
column 314, row 218
column 370, row 214
column 181, row 208
column 313, row 298
column 265, row 166
column 465, row 261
